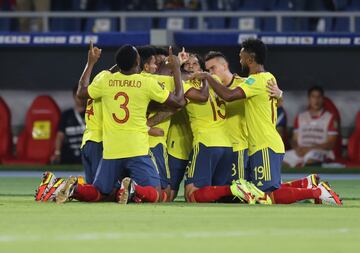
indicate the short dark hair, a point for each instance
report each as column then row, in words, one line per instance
column 161, row 51
column 256, row 47
column 214, row 54
column 200, row 60
column 126, row 57
column 145, row 52
column 316, row 88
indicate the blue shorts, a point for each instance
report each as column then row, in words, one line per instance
column 140, row 168
column 209, row 166
column 177, row 171
column 240, row 166
column 91, row 154
column 265, row 169
column 160, row 158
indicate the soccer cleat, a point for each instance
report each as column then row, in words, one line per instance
column 47, row 182
column 328, row 196
column 54, row 190
column 240, row 189
column 313, row 181
column 259, row 196
column 126, row 191
column 66, row 192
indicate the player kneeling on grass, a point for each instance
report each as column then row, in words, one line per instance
column 125, row 97
column 266, row 149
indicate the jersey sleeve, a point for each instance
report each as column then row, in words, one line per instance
column 281, row 117
column 216, row 78
column 250, row 87
column 157, row 92
column 170, row 83
column 187, row 86
column 333, row 126
column 95, row 89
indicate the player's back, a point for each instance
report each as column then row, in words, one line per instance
column 93, row 118
column 260, row 114
column 93, row 121
column 125, row 99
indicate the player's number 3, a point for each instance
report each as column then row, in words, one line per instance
column 123, row 107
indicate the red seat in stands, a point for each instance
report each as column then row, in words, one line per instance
column 354, row 145
column 5, row 130
column 331, row 107
column 36, row 142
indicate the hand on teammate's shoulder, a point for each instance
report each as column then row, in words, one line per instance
column 199, row 75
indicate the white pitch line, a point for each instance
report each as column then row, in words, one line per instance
column 175, row 235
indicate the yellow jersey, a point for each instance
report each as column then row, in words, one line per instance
column 261, row 115
column 179, row 141
column 207, row 120
column 124, row 100
column 93, row 118
column 169, row 84
column 235, row 119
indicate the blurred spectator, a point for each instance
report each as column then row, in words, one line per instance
column 281, row 123
column 174, row 4
column 26, row 24
column 70, row 132
column 7, row 24
column 319, row 24
column 194, row 5
column 315, row 132
column 7, row 5
column 118, row 5
column 228, row 5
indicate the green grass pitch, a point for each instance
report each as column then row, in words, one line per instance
column 27, row 226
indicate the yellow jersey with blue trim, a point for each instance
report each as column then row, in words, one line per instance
column 125, row 100
column 179, row 141
column 235, row 119
column 168, row 83
column 260, row 114
column 207, row 120
column 93, row 117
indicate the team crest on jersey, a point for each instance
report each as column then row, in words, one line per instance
column 250, row 81
column 162, row 85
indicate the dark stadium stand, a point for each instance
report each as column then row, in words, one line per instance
column 290, row 24
column 139, row 24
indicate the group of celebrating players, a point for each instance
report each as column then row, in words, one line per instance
column 155, row 118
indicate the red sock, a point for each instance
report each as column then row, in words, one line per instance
column 290, row 195
column 147, row 193
column 210, row 194
column 87, row 193
column 164, row 196
column 300, row 183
